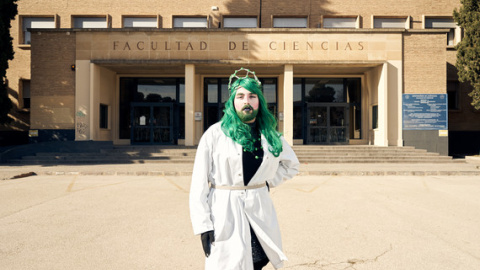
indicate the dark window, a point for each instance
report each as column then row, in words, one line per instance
column 26, row 94
column 103, row 116
column 452, row 92
column 152, row 91
column 375, row 116
column 324, row 90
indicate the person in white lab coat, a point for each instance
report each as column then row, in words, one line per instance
column 238, row 160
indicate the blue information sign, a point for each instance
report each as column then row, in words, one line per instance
column 425, row 112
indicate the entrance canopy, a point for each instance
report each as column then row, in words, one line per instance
column 370, row 57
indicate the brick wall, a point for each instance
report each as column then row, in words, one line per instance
column 424, row 63
column 53, row 81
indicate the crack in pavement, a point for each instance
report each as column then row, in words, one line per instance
column 351, row 262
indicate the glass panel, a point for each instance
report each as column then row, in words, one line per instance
column 161, row 135
column 141, row 129
column 297, row 122
column 318, row 135
column 390, row 23
column 156, row 90
column 211, row 95
column 355, row 99
column 324, row 90
column 190, row 22
column 141, row 134
column 270, row 90
column 182, row 91
column 297, row 91
column 127, row 89
column 337, row 116
column 224, row 88
column 141, row 116
column 338, row 135
column 161, row 116
column 181, row 122
column 440, row 23
column 140, row 22
column 290, row 22
column 211, row 116
column 354, row 91
column 451, row 37
column 318, row 116
column 89, row 22
column 240, row 22
column 340, row 22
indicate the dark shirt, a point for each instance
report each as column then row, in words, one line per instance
column 250, row 161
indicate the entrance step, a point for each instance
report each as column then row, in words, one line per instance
column 367, row 154
column 307, row 154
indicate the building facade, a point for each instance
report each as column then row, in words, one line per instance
column 149, row 72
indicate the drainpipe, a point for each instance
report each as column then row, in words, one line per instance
column 260, row 15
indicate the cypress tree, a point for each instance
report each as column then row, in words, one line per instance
column 8, row 10
column 468, row 50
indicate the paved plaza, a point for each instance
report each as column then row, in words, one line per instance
column 76, row 221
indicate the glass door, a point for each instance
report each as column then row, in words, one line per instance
column 327, row 123
column 151, row 123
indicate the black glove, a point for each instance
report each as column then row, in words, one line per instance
column 207, row 239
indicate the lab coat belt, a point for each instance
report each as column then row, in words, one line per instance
column 239, row 187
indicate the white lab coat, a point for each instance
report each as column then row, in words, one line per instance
column 229, row 212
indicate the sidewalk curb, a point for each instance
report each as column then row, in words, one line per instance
column 304, row 173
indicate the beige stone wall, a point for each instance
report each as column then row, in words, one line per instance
column 64, row 9
column 53, row 81
column 313, row 9
column 242, row 46
column 424, row 63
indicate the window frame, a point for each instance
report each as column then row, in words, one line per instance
column 407, row 21
column 77, row 16
column 104, row 119
column 457, row 34
column 290, row 17
column 21, row 86
column 457, row 95
column 240, row 17
column 192, row 17
column 21, row 32
column 356, row 17
column 156, row 17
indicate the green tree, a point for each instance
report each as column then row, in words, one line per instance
column 8, row 10
column 468, row 50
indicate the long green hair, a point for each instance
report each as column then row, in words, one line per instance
column 240, row 132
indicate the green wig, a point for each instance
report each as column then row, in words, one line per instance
column 240, row 132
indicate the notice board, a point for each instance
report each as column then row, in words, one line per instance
column 425, row 112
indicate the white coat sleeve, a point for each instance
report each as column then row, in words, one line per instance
column 199, row 189
column 288, row 165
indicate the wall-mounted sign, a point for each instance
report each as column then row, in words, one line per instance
column 425, row 112
column 33, row 133
column 443, row 133
column 198, row 116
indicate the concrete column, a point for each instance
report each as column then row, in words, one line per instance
column 381, row 138
column 288, row 104
column 82, row 100
column 189, row 104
